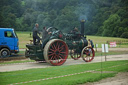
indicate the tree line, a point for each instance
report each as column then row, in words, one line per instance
column 103, row 17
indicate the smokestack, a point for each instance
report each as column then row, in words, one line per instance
column 82, row 27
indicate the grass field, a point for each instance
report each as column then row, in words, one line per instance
column 24, row 38
column 61, row 75
column 102, row 40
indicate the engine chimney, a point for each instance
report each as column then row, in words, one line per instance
column 82, row 27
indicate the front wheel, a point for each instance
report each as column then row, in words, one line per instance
column 56, row 52
column 88, row 54
column 4, row 53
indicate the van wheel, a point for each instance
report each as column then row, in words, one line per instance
column 4, row 53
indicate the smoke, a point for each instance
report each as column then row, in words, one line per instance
column 84, row 11
column 82, row 17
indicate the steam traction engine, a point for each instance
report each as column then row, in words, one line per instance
column 58, row 46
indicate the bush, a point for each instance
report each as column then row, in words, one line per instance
column 124, row 35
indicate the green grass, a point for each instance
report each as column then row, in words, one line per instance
column 41, row 73
column 111, row 53
column 16, row 61
column 24, row 38
column 22, row 52
column 102, row 40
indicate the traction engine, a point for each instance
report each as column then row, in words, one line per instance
column 58, row 46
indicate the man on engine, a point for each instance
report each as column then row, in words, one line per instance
column 35, row 34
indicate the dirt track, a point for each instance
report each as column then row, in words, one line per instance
column 119, row 79
column 23, row 66
column 100, row 49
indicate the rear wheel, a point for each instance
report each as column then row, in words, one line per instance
column 74, row 55
column 4, row 53
column 88, row 54
column 56, row 52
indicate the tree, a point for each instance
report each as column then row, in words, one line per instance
column 106, row 17
column 10, row 21
column 110, row 26
column 124, row 35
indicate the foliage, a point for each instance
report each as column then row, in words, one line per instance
column 125, row 35
column 106, row 17
column 110, row 26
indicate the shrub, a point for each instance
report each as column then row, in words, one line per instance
column 124, row 35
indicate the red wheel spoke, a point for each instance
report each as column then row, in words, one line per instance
column 56, row 59
column 52, row 50
column 57, row 45
column 62, row 52
column 51, row 57
column 87, row 54
column 61, row 49
column 54, row 46
column 60, row 57
column 61, row 46
column 51, row 54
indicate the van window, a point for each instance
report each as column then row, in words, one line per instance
column 15, row 35
column 8, row 34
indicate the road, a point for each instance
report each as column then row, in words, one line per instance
column 100, row 49
column 120, row 79
column 24, row 66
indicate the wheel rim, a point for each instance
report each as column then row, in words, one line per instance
column 57, row 52
column 88, row 54
column 4, row 53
